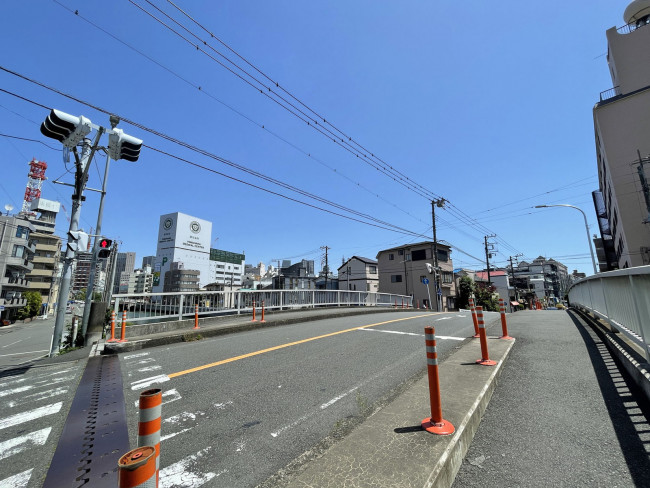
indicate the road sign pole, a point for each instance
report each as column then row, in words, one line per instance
column 426, row 282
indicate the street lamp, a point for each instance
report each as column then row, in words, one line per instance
column 591, row 249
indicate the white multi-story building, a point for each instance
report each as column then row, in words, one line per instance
column 359, row 274
column 622, row 126
column 185, row 239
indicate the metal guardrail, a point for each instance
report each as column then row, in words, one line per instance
column 150, row 307
column 622, row 298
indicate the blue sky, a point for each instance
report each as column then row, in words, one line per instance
column 488, row 105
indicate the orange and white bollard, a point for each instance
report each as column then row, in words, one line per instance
column 149, row 422
column 434, row 424
column 112, row 339
column 196, row 316
column 253, row 319
column 504, row 325
column 137, row 469
column 123, row 331
column 471, row 307
column 485, row 359
column 262, row 312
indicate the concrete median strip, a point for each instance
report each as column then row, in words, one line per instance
column 390, row 449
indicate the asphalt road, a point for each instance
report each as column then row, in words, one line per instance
column 21, row 343
column 265, row 398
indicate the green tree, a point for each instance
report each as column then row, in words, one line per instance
column 485, row 297
column 33, row 306
column 465, row 290
column 80, row 295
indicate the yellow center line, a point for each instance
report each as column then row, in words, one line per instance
column 289, row 344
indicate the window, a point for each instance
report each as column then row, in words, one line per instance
column 446, row 277
column 422, row 278
column 18, row 252
column 372, row 269
column 400, row 252
column 443, row 255
column 419, row 255
column 391, row 257
column 22, row 232
column 396, row 278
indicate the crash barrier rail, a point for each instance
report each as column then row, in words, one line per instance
column 622, row 298
column 149, row 307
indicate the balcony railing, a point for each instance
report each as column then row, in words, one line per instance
column 621, row 298
column 15, row 282
column 610, row 93
column 20, row 263
column 629, row 28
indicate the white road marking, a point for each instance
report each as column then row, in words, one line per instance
column 222, row 406
column 24, row 442
column 21, row 353
column 173, row 394
column 336, row 399
column 292, row 424
column 141, row 384
column 19, row 480
column 173, row 434
column 23, row 417
column 39, row 384
column 393, row 332
column 443, row 318
column 36, row 397
column 450, row 338
column 461, row 316
column 145, row 361
column 182, row 417
column 137, row 355
column 178, row 475
column 16, row 342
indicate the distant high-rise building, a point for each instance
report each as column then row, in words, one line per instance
column 622, row 125
column 148, row 261
column 125, row 263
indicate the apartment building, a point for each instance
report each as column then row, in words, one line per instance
column 16, row 253
column 359, row 274
column 403, row 270
column 621, row 126
column 46, row 271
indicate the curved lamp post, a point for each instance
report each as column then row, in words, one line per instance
column 591, row 249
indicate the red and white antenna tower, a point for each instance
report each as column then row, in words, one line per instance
column 35, row 179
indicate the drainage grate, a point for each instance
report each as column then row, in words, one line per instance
column 95, row 434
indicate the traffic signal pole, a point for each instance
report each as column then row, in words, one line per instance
column 82, row 165
column 93, row 259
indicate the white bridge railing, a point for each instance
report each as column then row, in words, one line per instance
column 622, row 298
column 152, row 307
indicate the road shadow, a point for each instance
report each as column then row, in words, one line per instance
column 408, row 430
column 627, row 408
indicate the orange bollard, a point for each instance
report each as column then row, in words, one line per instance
column 402, row 303
column 196, row 316
column 254, row 319
column 112, row 339
column 150, row 421
column 471, row 306
column 262, row 312
column 137, row 468
column 504, row 325
column 418, row 304
column 396, row 303
column 485, row 359
column 123, row 331
column 434, row 424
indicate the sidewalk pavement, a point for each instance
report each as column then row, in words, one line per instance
column 557, row 418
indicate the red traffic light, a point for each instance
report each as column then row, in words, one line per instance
column 105, row 243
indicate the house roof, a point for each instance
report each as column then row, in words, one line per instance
column 417, row 244
column 482, row 275
column 359, row 258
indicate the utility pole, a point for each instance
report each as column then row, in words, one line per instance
column 327, row 269
column 487, row 258
column 440, row 202
column 81, row 175
column 512, row 268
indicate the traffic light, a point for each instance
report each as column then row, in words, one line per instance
column 104, row 248
column 68, row 129
column 123, row 146
column 77, row 241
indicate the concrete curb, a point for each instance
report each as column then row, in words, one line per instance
column 391, row 450
column 211, row 327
